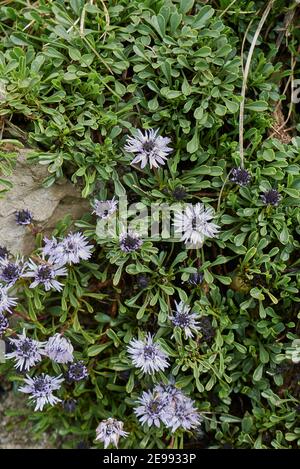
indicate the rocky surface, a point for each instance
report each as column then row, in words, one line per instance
column 48, row 205
column 14, row 435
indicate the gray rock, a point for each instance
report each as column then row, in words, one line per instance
column 48, row 205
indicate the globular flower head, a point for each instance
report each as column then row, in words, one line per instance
column 4, row 324
column 27, row 352
column 59, row 349
column 109, row 432
column 169, row 406
column 71, row 250
column 143, row 281
column 184, row 319
column 10, row 271
column 179, row 409
column 5, row 301
column 4, row 252
column 195, row 225
column 152, row 409
column 184, row 415
column 271, row 197
column 147, row 355
column 168, row 391
column 150, row 148
column 69, row 405
column 45, row 274
column 23, row 217
column 50, row 248
column 77, row 371
column 179, row 193
column 130, row 242
column 240, row 176
column 195, row 278
column 105, row 208
column 41, row 389
column 206, row 328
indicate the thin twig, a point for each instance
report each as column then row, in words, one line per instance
column 243, row 43
column 82, row 19
column 107, row 19
column 227, row 8
column 245, row 78
column 71, row 27
column 221, row 191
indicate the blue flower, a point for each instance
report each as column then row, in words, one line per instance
column 147, row 355
column 41, row 389
column 23, row 217
column 150, row 148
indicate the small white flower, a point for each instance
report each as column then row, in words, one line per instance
column 151, row 148
column 147, row 355
column 105, row 208
column 185, row 319
column 70, row 250
column 50, row 247
column 194, row 224
column 179, row 409
column 27, row 352
column 109, row 431
column 5, row 301
column 168, row 405
column 59, row 349
column 152, row 408
column 185, row 416
column 41, row 389
column 45, row 274
column 11, row 271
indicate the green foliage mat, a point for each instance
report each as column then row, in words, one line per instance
column 76, row 79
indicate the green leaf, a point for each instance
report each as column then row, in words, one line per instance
column 295, row 193
column 193, row 144
column 232, row 106
column 257, row 106
column 203, row 52
column 284, row 235
column 74, row 54
column 130, row 383
column 251, row 253
column 96, row 349
column 186, row 5
column 257, row 294
column 257, row 375
column 203, row 16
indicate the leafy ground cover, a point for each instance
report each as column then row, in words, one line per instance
column 218, row 81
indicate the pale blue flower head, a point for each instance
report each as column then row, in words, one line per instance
column 27, row 352
column 109, row 432
column 59, row 349
column 41, row 389
column 147, row 355
column 45, row 274
column 6, row 302
column 149, row 148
